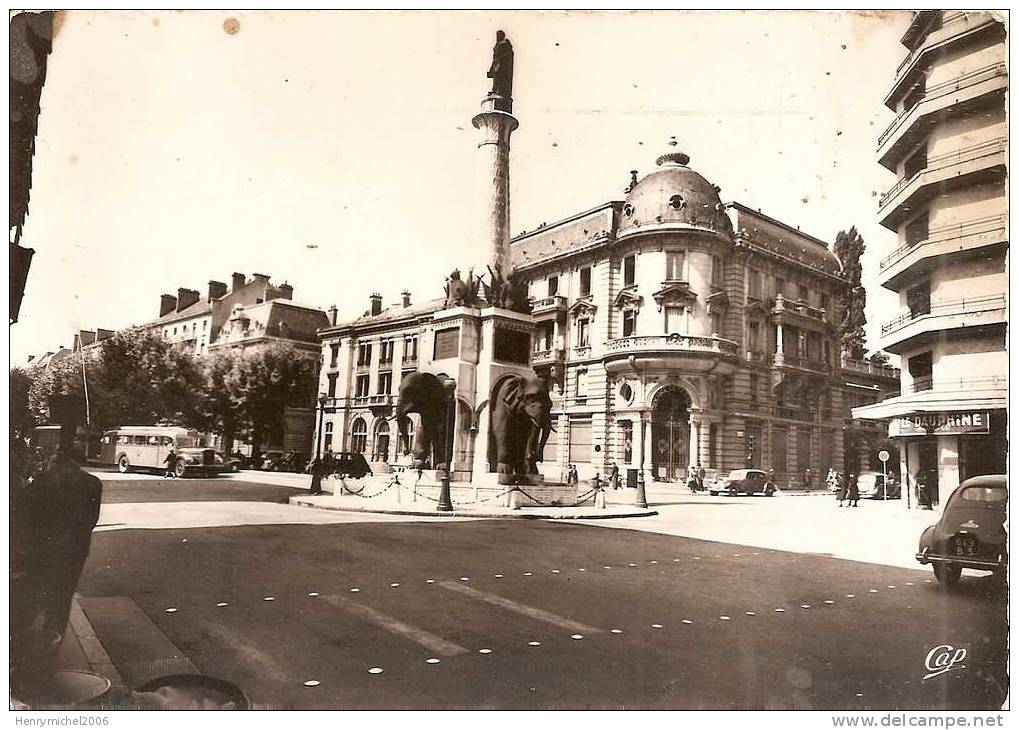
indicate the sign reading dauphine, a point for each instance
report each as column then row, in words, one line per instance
column 939, row 424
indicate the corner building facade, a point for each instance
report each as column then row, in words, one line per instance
column 947, row 145
column 679, row 330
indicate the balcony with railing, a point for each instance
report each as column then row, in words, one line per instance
column 938, row 315
column 783, row 306
column 948, row 239
column 952, row 24
column 950, row 168
column 691, row 343
column 868, row 367
column 937, row 97
column 553, row 304
column 802, row 361
column 547, row 356
column 373, row 401
column 963, row 384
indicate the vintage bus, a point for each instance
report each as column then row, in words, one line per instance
column 146, row 447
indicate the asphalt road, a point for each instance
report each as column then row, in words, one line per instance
column 623, row 619
column 193, row 490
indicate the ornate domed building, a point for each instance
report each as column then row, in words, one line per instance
column 681, row 330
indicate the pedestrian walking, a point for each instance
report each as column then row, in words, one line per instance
column 571, row 475
column 853, row 491
column 840, row 488
column 315, row 469
column 614, row 476
column 171, row 464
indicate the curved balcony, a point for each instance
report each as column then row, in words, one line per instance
column 547, row 357
column 940, row 316
column 963, row 91
column 548, row 305
column 689, row 352
column 944, row 241
column 868, row 367
column 962, row 167
column 799, row 309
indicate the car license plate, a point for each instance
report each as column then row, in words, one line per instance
column 966, row 545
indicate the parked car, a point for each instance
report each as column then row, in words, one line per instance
column 872, row 485
column 971, row 531
column 146, row 447
column 745, row 481
column 351, row 464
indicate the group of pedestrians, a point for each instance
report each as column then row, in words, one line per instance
column 319, row 468
column 846, row 489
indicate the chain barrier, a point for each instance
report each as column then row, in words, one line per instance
column 395, row 481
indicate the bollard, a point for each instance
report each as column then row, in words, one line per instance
column 445, row 502
column 396, row 483
column 641, row 500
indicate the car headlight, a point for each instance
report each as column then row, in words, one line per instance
column 189, row 460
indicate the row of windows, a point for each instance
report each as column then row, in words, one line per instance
column 799, row 292
column 675, row 270
column 387, row 348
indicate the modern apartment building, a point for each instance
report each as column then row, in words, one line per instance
column 947, row 145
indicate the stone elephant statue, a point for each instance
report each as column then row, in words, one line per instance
column 520, row 424
column 426, row 395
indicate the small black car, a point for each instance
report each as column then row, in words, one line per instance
column 351, row 464
column 971, row 531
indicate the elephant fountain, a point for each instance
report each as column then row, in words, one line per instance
column 520, row 424
column 426, row 395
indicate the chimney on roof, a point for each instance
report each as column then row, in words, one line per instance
column 237, row 281
column 286, row 291
column 87, row 337
column 261, row 277
column 406, row 297
column 376, row 300
column 332, row 315
column 217, row 289
column 102, row 334
column 167, row 303
column 186, row 297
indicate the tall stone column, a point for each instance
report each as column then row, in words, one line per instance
column 496, row 126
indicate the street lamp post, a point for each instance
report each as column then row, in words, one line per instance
column 321, row 416
column 641, row 496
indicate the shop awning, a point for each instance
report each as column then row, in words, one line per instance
column 932, row 401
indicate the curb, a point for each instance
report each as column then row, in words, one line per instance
column 299, row 501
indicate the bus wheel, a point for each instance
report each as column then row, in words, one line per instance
column 123, row 465
column 179, row 469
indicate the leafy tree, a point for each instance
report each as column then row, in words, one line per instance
column 849, row 248
column 221, row 410
column 22, row 420
column 878, row 357
column 264, row 381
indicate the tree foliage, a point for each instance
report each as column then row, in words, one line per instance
column 849, row 248
column 137, row 378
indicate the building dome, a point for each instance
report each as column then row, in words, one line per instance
column 673, row 196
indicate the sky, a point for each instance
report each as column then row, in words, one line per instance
column 334, row 150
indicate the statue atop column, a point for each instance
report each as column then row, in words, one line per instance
column 501, row 72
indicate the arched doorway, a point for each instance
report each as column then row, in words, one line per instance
column 670, row 435
column 382, row 442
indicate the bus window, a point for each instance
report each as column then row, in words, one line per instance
column 153, row 441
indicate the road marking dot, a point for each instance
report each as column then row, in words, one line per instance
column 497, row 575
column 615, row 631
column 687, row 621
column 465, row 578
column 891, row 586
column 220, row 604
column 432, row 660
column 311, row 683
column 555, row 571
column 581, row 570
column 751, row 613
column 171, row 610
column 909, row 584
column 313, row 594
column 375, row 670
column 779, row 610
column 850, row 595
column 429, row 581
column 528, row 573
column 358, row 590
column 675, row 560
column 859, row 694
column 534, row 643
column 484, row 651
column 805, row 605
column 696, row 558
column 391, row 585
column 724, row 618
column 872, row 590
column 607, row 567
column 577, row 637
column 656, row 626
column 269, row 598
column 633, row 565
column 654, row 562
column 926, row 580
column 829, row 602
column 736, row 555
